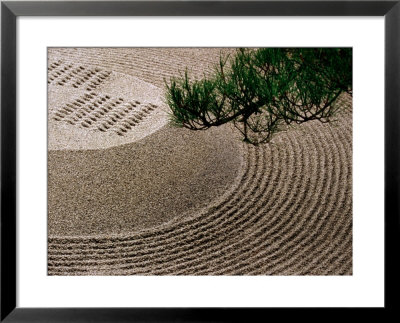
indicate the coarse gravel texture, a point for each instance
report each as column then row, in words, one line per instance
column 139, row 185
column 181, row 202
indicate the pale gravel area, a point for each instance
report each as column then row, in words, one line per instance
column 64, row 135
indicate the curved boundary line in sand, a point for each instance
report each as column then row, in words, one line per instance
column 189, row 216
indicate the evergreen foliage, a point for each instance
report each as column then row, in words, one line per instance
column 262, row 91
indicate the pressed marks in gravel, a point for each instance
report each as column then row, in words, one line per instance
column 103, row 113
column 63, row 74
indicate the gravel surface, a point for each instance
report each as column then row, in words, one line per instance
column 177, row 202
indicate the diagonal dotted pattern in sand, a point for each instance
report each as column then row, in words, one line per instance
column 285, row 208
column 91, row 108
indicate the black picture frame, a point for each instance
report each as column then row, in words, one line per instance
column 10, row 10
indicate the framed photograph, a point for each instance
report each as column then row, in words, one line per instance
column 194, row 161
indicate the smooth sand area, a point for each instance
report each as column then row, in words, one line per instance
column 126, row 188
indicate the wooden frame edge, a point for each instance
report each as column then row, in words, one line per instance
column 11, row 10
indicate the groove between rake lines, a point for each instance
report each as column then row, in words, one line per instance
column 305, row 247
